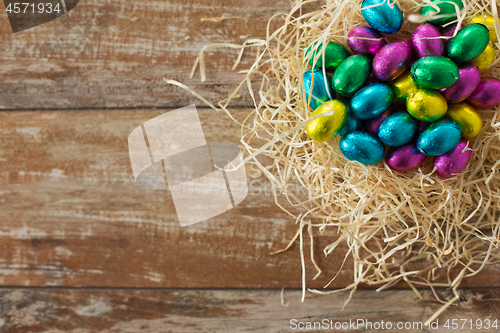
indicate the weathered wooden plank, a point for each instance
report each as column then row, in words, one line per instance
column 158, row 311
column 114, row 54
column 71, row 214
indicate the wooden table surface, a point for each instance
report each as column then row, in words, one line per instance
column 83, row 249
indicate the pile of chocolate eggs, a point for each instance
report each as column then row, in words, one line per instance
column 415, row 98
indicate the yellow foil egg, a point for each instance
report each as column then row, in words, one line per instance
column 426, row 105
column 402, row 87
column 484, row 59
column 468, row 119
column 489, row 22
column 323, row 128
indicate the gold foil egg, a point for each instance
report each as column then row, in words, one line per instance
column 426, row 105
column 489, row 22
column 323, row 128
column 485, row 59
column 468, row 119
column 403, row 87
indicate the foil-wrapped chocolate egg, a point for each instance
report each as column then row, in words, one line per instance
column 489, row 22
column 434, row 72
column 371, row 101
column 454, row 161
column 449, row 32
column 469, row 79
column 469, row 42
column 445, row 9
column 485, row 59
column 332, row 55
column 404, row 158
column 403, row 87
column 398, row 129
column 363, row 147
column 365, row 40
column 486, row 95
column 351, row 74
column 425, row 41
column 426, row 105
column 469, row 120
column 392, row 60
column 439, row 137
column 373, row 125
column 317, row 88
column 323, row 128
column 382, row 16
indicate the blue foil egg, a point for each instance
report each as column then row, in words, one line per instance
column 319, row 86
column 439, row 138
column 371, row 101
column 352, row 123
column 382, row 15
column 363, row 147
column 398, row 129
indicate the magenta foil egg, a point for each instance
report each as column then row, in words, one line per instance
column 365, row 40
column 425, row 41
column 404, row 158
column 449, row 31
column 486, row 95
column 372, row 126
column 454, row 161
column 470, row 77
column 392, row 60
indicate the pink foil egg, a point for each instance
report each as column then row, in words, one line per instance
column 404, row 158
column 392, row 60
column 470, row 77
column 454, row 161
column 425, row 41
column 365, row 40
column 372, row 126
column 486, row 95
column 449, row 31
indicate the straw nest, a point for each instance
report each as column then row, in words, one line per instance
column 396, row 226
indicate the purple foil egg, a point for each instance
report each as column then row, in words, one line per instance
column 392, row 60
column 454, row 161
column 372, row 126
column 372, row 79
column 425, row 41
column 470, row 77
column 449, row 31
column 404, row 158
column 486, row 95
column 359, row 45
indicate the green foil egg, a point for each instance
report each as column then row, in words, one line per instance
column 351, row 74
column 469, row 43
column 323, row 128
column 333, row 55
column 446, row 8
column 434, row 73
column 426, row 105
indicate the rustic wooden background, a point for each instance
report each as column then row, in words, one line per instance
column 83, row 249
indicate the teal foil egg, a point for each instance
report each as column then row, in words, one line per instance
column 317, row 88
column 363, row 147
column 435, row 73
column 352, row 123
column 469, row 43
column 382, row 16
column 439, row 137
column 398, row 129
column 371, row 101
column 351, row 74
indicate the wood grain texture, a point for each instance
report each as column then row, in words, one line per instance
column 72, row 215
column 114, row 54
column 162, row 311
